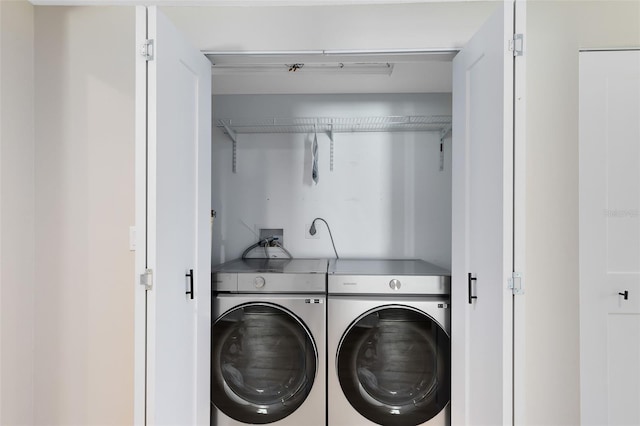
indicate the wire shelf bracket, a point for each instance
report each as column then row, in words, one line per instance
column 234, row 139
column 443, row 134
column 331, row 148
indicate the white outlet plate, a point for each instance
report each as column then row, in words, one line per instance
column 307, row 235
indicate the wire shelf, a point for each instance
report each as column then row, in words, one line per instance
column 338, row 124
column 332, row 125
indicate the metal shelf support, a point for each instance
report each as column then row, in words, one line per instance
column 331, row 148
column 234, row 139
column 443, row 134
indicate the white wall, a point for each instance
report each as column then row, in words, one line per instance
column 17, row 283
column 426, row 25
column 556, row 31
column 386, row 197
column 84, row 206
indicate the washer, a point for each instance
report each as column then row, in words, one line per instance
column 389, row 347
column 268, row 350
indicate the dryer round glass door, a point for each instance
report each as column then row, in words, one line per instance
column 393, row 365
column 263, row 363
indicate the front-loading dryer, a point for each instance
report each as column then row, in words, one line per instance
column 389, row 348
column 269, row 342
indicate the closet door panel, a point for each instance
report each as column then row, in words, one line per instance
column 482, row 245
column 174, row 219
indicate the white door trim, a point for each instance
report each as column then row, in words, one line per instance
column 519, row 218
column 140, row 300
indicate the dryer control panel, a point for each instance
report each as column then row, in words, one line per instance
column 271, row 276
column 387, row 277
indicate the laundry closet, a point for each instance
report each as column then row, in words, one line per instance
column 356, row 178
column 398, row 167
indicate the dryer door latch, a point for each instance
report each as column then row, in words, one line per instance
column 516, row 283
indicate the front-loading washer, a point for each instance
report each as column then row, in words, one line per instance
column 268, row 350
column 389, row 348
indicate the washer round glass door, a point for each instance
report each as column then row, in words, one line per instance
column 263, row 363
column 393, row 365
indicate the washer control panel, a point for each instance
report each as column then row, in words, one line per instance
column 266, row 282
column 282, row 276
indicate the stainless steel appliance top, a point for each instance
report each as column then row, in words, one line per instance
column 384, row 267
column 271, row 276
column 388, row 277
column 276, row 266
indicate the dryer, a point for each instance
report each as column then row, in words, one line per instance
column 269, row 342
column 389, row 348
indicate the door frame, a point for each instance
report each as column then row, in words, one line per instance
column 519, row 190
column 140, row 293
column 519, row 162
column 519, row 215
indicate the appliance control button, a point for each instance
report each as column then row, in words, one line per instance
column 259, row 282
column 395, row 284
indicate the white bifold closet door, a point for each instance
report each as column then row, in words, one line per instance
column 173, row 173
column 482, row 223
